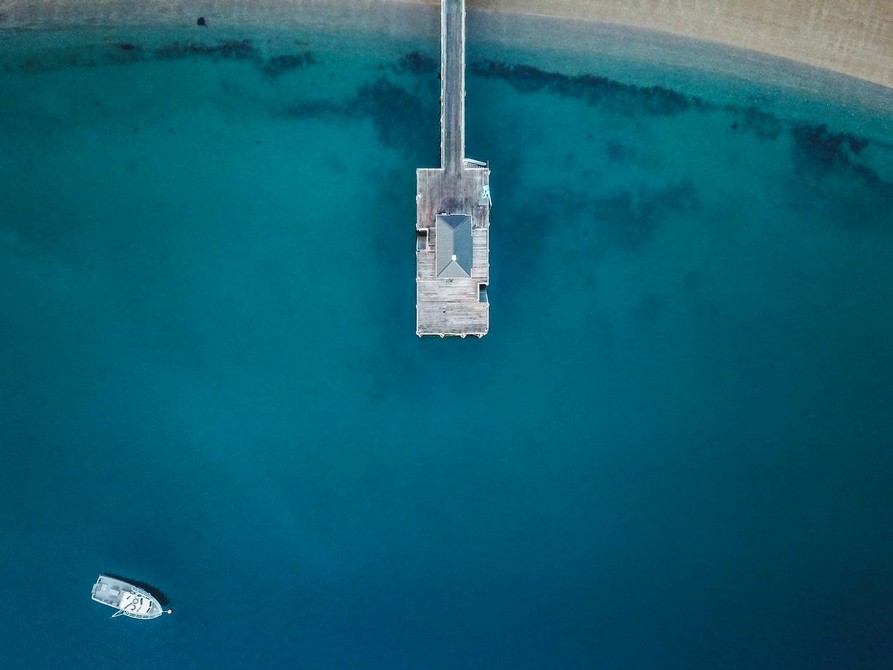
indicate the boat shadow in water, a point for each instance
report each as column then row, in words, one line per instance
column 152, row 590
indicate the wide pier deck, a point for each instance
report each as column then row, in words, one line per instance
column 453, row 209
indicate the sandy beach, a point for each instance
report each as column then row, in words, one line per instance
column 852, row 37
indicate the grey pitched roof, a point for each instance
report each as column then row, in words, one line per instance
column 453, row 245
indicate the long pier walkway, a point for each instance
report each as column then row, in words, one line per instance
column 452, row 78
column 453, row 209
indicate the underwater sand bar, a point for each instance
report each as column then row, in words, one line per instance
column 453, row 209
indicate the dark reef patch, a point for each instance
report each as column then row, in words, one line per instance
column 596, row 91
column 230, row 49
column 628, row 220
column 579, row 228
column 818, row 146
column 126, row 53
column 760, row 123
column 278, row 65
column 396, row 113
column 828, row 163
column 122, row 53
column 417, row 64
column 624, row 220
column 239, row 50
column 401, row 119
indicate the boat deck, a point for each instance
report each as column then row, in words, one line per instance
column 128, row 599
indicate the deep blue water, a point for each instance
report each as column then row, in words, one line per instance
column 673, row 450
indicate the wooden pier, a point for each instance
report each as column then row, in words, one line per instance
column 453, row 209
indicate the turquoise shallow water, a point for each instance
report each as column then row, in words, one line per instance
column 672, row 450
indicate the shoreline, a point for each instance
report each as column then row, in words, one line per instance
column 855, row 40
column 850, row 37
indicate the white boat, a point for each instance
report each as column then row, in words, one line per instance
column 129, row 599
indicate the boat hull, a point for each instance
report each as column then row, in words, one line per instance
column 129, row 600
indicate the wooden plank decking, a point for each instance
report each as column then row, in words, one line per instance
column 452, row 82
column 452, row 305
